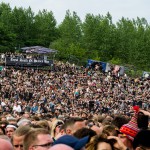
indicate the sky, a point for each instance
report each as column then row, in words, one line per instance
column 117, row 8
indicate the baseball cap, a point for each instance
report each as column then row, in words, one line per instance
column 72, row 141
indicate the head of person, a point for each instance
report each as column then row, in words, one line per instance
column 3, row 124
column 119, row 121
column 73, row 124
column 10, row 129
column 12, row 120
column 2, row 131
column 142, row 140
column 18, row 137
column 5, row 144
column 142, row 121
column 97, row 129
column 84, row 115
column 26, row 115
column 44, row 124
column 23, row 122
column 128, row 131
column 5, row 137
column 61, row 146
column 84, row 132
column 111, row 130
column 55, row 127
column 75, row 143
column 100, row 142
column 37, row 139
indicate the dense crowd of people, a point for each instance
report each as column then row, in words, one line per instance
column 73, row 107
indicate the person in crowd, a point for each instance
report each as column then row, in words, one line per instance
column 84, row 132
column 75, row 143
column 73, row 124
column 44, row 124
column 55, row 128
column 143, row 119
column 34, row 108
column 128, row 131
column 111, row 130
column 61, row 147
column 65, row 93
column 5, row 144
column 16, row 107
column 38, row 139
column 142, row 140
column 119, row 120
column 18, row 137
column 10, row 129
column 23, row 122
column 100, row 142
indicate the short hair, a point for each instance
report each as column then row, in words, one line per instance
column 71, row 122
column 31, row 137
column 36, row 118
column 84, row 132
column 4, row 122
column 44, row 124
column 21, row 131
column 12, row 119
column 110, row 129
column 119, row 121
column 33, row 126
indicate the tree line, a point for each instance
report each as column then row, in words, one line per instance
column 126, row 42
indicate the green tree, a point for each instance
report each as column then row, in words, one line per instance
column 45, row 25
column 7, row 37
column 70, row 36
column 18, row 21
column 98, row 36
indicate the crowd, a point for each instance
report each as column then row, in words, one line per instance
column 72, row 107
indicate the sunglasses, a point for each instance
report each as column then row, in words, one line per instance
column 16, row 146
column 47, row 145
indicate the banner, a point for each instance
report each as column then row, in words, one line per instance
column 17, row 61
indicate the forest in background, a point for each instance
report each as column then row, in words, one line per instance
column 125, row 42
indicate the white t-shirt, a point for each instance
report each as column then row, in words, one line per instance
column 17, row 108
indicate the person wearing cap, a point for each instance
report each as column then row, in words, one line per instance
column 75, row 143
column 10, row 129
column 128, row 131
column 61, row 146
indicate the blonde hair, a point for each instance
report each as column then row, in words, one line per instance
column 44, row 124
column 53, row 126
